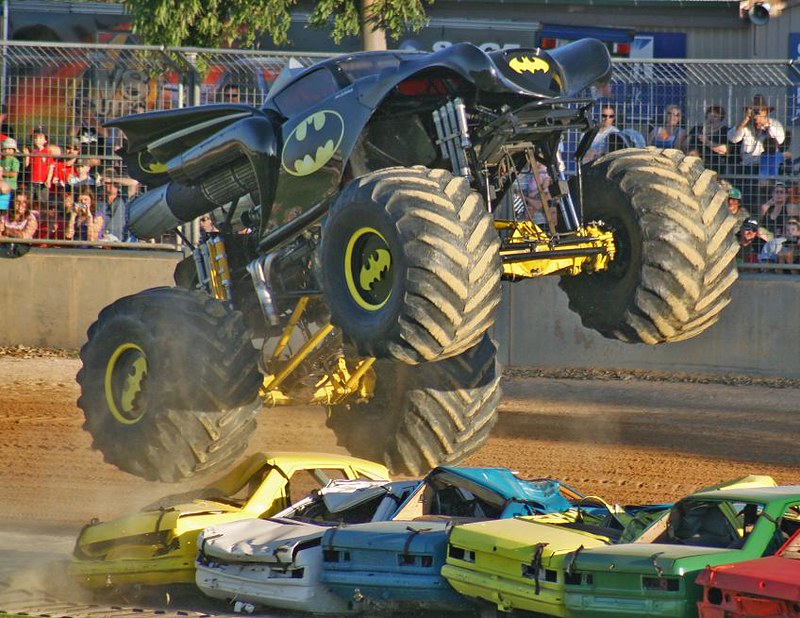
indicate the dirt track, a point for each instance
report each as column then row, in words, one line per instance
column 626, row 440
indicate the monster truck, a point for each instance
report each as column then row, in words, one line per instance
column 360, row 246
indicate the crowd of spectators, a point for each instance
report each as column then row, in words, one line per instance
column 70, row 189
column 752, row 158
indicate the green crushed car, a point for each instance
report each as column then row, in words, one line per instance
column 655, row 575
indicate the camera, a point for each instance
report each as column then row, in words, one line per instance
column 792, row 240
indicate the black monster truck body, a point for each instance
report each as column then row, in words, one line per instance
column 374, row 185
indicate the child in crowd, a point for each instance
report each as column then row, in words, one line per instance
column 64, row 174
column 41, row 165
column 10, row 166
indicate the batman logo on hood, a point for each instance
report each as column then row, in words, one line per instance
column 312, row 143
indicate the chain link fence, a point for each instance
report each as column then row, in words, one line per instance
column 66, row 92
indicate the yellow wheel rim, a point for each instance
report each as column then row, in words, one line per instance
column 125, row 372
column 368, row 268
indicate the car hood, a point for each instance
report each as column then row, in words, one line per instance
column 516, row 538
column 149, row 522
column 259, row 540
column 649, row 558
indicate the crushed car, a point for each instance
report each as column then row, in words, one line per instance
column 157, row 546
column 767, row 586
column 655, row 575
column 526, row 563
column 274, row 563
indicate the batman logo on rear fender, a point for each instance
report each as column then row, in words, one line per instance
column 148, row 163
column 527, row 64
column 312, row 143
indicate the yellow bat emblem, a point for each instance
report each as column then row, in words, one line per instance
column 133, row 383
column 525, row 64
column 148, row 164
column 377, row 264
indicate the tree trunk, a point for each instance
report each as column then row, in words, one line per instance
column 372, row 39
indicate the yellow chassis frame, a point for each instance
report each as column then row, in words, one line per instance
column 527, row 252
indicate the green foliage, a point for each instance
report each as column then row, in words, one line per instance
column 216, row 23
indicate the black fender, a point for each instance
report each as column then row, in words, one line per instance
column 197, row 159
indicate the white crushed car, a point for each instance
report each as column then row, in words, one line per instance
column 276, row 562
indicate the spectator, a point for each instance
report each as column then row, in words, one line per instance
column 114, row 209
column 608, row 137
column 24, row 222
column 710, row 140
column 65, row 174
column 51, row 219
column 782, row 249
column 671, row 134
column 229, row 93
column 93, row 136
column 41, row 164
column 10, row 165
column 758, row 135
column 751, row 241
column 83, row 223
column 534, row 200
column 83, row 174
column 6, row 130
column 772, row 214
column 735, row 205
column 118, row 176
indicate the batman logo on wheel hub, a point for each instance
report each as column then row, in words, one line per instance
column 312, row 143
column 126, row 371
column 368, row 269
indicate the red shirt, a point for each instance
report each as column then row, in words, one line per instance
column 40, row 162
column 63, row 172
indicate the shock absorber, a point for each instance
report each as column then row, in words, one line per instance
column 213, row 270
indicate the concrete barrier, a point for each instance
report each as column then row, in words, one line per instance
column 757, row 334
column 52, row 296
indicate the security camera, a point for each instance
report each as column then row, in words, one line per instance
column 758, row 13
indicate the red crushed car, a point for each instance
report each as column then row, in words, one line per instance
column 767, row 586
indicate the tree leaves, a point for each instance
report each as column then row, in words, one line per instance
column 218, row 23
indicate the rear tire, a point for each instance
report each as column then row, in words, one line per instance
column 424, row 416
column 169, row 384
column 410, row 265
column 676, row 247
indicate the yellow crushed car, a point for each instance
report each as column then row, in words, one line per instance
column 158, row 545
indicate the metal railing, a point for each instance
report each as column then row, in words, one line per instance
column 70, row 90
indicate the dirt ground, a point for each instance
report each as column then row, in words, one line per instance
column 628, row 440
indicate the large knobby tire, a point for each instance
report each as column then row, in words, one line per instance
column 676, row 247
column 424, row 415
column 410, row 264
column 169, row 384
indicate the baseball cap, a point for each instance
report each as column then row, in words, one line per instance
column 750, row 225
column 9, row 142
column 735, row 194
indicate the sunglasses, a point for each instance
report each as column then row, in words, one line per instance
column 607, row 115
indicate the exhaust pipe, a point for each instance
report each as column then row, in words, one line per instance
column 169, row 205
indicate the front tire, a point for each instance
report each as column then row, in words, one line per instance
column 410, row 265
column 169, row 384
column 426, row 415
column 676, row 248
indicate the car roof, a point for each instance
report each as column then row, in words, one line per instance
column 750, row 494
